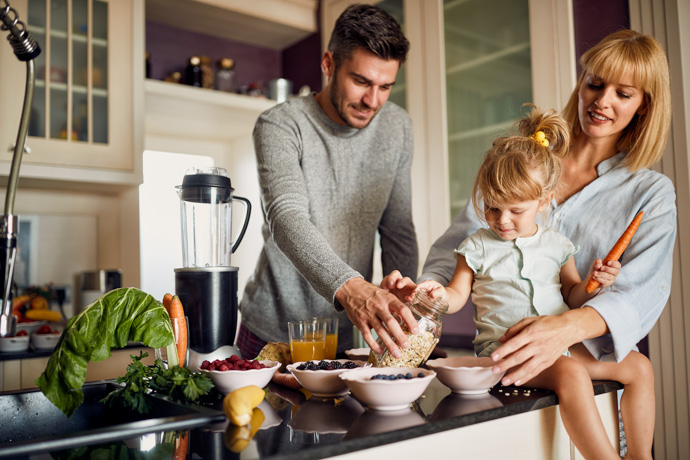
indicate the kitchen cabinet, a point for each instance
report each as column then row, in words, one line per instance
column 16, row 374
column 84, row 111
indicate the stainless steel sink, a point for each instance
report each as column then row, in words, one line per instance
column 29, row 422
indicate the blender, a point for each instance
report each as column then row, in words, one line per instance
column 207, row 283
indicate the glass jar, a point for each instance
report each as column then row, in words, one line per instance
column 428, row 313
column 226, row 77
column 193, row 71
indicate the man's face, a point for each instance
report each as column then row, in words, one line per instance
column 360, row 86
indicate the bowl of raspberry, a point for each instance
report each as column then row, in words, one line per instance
column 321, row 377
column 46, row 337
column 15, row 343
column 233, row 372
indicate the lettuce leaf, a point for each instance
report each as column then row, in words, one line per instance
column 121, row 315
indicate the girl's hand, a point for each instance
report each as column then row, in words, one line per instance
column 605, row 275
column 396, row 284
column 434, row 289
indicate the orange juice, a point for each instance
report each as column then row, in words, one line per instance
column 307, row 350
column 331, row 345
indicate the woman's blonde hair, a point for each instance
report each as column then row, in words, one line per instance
column 631, row 53
column 519, row 168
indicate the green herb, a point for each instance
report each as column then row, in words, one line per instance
column 120, row 316
column 178, row 383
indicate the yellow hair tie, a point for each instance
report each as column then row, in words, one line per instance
column 540, row 138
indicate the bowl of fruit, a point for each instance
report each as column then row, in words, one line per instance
column 46, row 337
column 388, row 388
column 321, row 377
column 232, row 373
column 15, row 343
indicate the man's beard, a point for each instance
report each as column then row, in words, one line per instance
column 336, row 103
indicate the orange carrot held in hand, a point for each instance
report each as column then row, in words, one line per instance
column 177, row 315
column 617, row 249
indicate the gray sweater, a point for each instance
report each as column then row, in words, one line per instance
column 326, row 190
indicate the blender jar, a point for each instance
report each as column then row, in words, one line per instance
column 206, row 212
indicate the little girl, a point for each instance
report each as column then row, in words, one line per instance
column 517, row 268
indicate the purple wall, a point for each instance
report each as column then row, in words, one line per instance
column 594, row 19
column 170, row 48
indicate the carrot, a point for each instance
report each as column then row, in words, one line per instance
column 287, row 380
column 167, row 298
column 177, row 313
column 181, row 444
column 617, row 249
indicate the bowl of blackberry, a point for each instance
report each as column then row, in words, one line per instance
column 321, row 377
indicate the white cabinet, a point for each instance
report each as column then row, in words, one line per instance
column 84, row 111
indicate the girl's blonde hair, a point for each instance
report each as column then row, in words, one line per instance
column 519, row 168
column 630, row 53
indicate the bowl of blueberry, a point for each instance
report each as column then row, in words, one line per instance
column 321, row 377
column 388, row 388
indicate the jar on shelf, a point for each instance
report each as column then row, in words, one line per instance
column 193, row 72
column 226, row 77
column 207, row 78
column 428, row 313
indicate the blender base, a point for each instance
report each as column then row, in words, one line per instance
column 209, row 297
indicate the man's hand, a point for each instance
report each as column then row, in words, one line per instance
column 370, row 307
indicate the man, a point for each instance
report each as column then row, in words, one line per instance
column 334, row 168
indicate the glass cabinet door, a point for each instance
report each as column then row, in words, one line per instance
column 488, row 78
column 71, row 96
column 395, row 9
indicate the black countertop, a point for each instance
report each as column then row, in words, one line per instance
column 301, row 428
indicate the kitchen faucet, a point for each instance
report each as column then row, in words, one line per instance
column 26, row 49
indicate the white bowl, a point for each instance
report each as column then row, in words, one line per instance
column 361, row 354
column 14, row 344
column 227, row 381
column 387, row 394
column 465, row 374
column 323, row 383
column 326, row 415
column 46, row 341
column 30, row 326
column 197, row 359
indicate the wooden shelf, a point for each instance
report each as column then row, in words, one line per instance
column 273, row 24
column 177, row 110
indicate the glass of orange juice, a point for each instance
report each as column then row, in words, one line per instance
column 331, row 336
column 307, row 340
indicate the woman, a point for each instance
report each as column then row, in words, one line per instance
column 620, row 115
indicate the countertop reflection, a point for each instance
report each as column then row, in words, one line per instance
column 301, row 427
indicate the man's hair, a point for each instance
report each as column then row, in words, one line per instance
column 370, row 28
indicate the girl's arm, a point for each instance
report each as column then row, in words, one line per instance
column 458, row 290
column 573, row 288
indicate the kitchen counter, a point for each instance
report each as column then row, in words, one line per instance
column 301, row 428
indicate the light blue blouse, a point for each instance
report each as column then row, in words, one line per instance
column 513, row 279
column 594, row 218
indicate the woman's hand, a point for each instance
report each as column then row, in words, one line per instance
column 533, row 344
